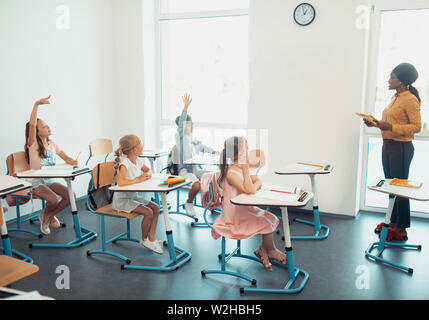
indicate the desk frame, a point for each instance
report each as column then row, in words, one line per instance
column 293, row 271
column 382, row 244
column 318, row 227
column 7, row 248
column 184, row 256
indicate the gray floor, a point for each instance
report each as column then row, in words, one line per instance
column 334, row 264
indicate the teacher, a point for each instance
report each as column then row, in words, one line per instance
column 400, row 121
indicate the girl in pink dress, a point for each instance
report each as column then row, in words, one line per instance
column 240, row 222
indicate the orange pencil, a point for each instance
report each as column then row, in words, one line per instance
column 310, row 164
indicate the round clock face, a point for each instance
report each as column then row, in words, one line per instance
column 304, row 14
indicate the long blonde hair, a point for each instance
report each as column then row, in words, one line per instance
column 126, row 144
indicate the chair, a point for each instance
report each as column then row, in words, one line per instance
column 103, row 175
column 100, row 147
column 213, row 187
column 236, row 253
column 12, row 270
column 16, row 162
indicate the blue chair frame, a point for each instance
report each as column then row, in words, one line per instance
column 125, row 236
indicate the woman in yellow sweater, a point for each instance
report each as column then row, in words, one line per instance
column 400, row 121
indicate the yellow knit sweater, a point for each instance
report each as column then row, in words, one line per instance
column 404, row 115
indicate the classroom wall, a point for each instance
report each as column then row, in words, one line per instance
column 305, row 84
column 93, row 70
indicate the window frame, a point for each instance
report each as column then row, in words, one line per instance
column 376, row 8
column 162, row 17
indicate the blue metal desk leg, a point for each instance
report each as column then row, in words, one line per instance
column 316, row 223
column 80, row 239
column 174, row 262
column 383, row 244
column 7, row 248
column 292, row 270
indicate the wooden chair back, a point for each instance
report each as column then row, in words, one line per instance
column 103, row 174
column 100, row 147
column 16, row 162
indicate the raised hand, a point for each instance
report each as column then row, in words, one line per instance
column 186, row 100
column 43, row 101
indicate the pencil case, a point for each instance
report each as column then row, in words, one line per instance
column 175, row 180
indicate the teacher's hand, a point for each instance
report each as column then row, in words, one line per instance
column 383, row 125
column 368, row 123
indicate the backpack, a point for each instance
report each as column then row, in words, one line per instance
column 100, row 197
column 172, row 167
column 206, row 196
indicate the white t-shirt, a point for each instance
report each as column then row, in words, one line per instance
column 133, row 170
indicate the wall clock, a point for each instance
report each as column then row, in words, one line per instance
column 304, row 14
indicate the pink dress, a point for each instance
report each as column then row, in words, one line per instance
column 240, row 222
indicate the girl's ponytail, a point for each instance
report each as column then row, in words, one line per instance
column 415, row 92
column 118, row 154
column 230, row 152
column 223, row 167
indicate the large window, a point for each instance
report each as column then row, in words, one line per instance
column 203, row 51
column 398, row 35
column 402, row 39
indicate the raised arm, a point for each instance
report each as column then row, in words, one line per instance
column 67, row 159
column 123, row 181
column 187, row 101
column 33, row 120
column 246, row 185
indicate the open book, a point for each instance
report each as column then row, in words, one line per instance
column 281, row 193
column 367, row 117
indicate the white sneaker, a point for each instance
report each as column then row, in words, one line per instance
column 44, row 225
column 189, row 207
column 152, row 245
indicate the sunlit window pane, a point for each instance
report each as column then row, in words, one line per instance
column 176, row 6
column 403, row 37
column 207, row 58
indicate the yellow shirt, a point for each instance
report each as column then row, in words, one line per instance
column 403, row 114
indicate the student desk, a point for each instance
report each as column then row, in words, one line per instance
column 251, row 200
column 203, row 159
column 311, row 171
column 10, row 185
column 22, row 295
column 12, row 270
column 68, row 173
column 421, row 194
column 153, row 185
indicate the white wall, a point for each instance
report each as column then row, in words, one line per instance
column 305, row 85
column 93, row 70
